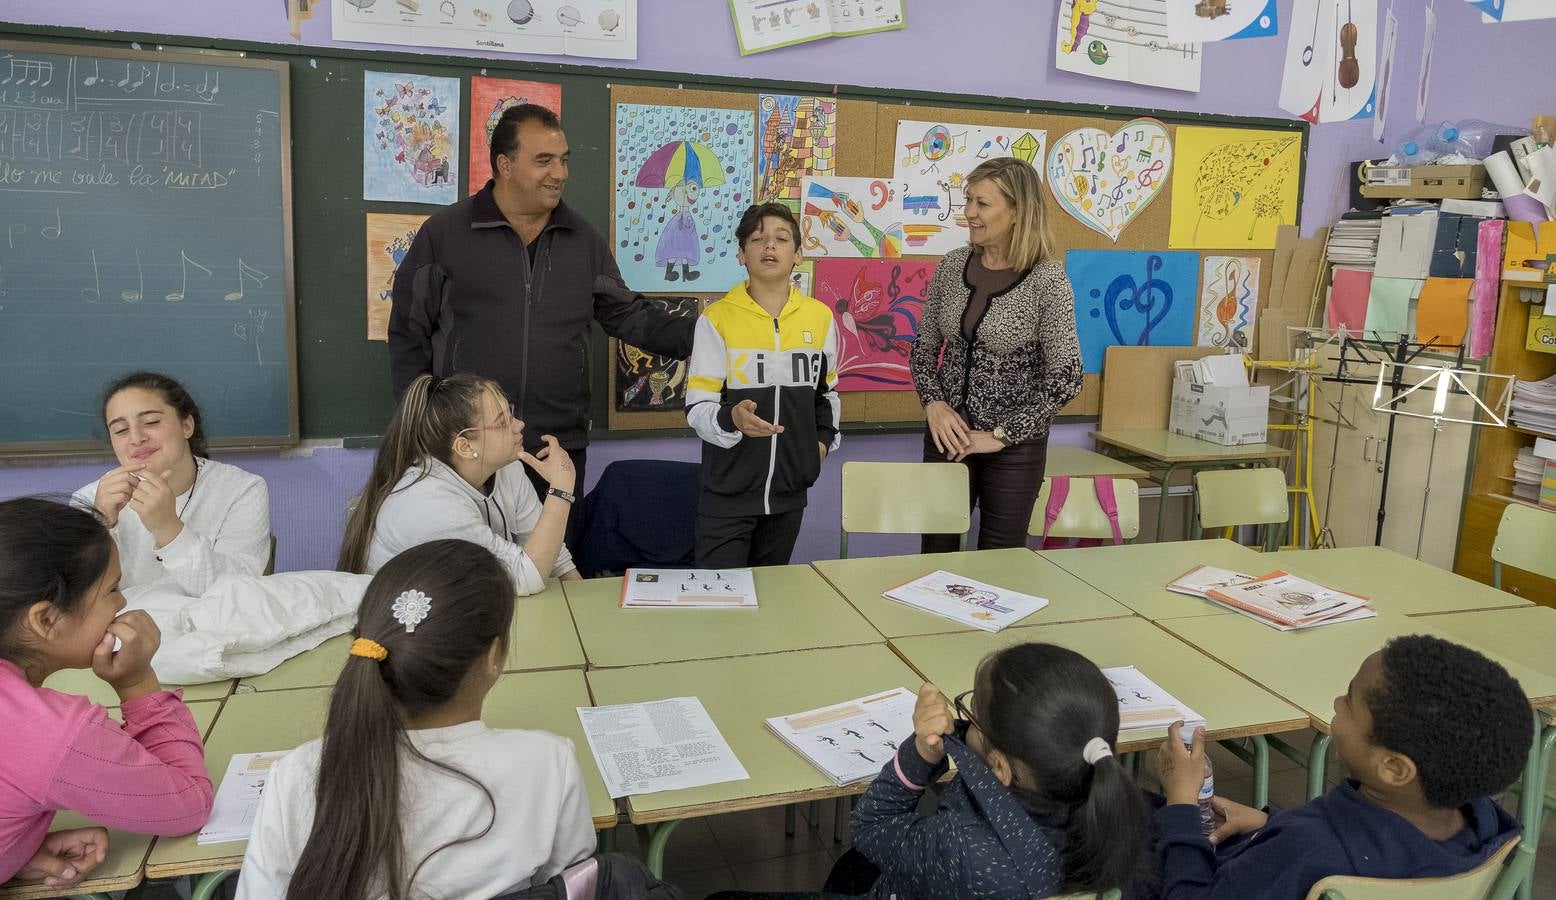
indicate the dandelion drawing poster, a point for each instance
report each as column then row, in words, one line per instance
column 797, row 136
column 1228, row 302
column 410, row 138
column 683, row 175
column 1133, row 298
column 489, row 99
column 877, row 305
column 1232, row 188
column 389, row 238
column 646, row 382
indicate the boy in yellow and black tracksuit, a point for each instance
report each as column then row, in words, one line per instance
column 762, row 395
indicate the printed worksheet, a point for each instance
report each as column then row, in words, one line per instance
column 850, row 741
column 237, row 799
column 662, row 745
column 1144, row 706
column 1198, row 581
column 683, row 588
column 964, row 600
column 770, row 24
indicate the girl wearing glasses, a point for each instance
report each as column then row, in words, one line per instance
column 452, row 466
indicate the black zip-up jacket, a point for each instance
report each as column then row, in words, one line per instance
column 467, row 299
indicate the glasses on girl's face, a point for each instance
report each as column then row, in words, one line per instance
column 962, row 703
column 504, row 421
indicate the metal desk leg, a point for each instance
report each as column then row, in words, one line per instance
column 1531, row 800
column 1317, row 758
column 1257, row 759
column 606, row 840
column 205, row 886
column 1161, row 503
column 659, row 838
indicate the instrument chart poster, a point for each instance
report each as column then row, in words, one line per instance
column 603, row 29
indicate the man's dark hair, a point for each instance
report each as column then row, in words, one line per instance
column 505, row 134
column 752, row 220
column 1461, row 717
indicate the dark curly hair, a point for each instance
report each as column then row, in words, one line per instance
column 1461, row 717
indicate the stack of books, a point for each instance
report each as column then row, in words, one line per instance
column 1280, row 600
column 1534, row 405
column 1354, row 242
column 1528, row 474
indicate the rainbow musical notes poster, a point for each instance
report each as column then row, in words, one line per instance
column 1233, row 187
column 1132, row 298
column 879, row 218
column 1124, row 41
column 1106, row 180
column 938, row 150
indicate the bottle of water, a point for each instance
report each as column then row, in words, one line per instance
column 1474, row 137
column 1207, row 810
column 1421, row 145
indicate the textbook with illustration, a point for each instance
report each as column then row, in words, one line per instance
column 1198, row 581
column 1285, row 599
column 964, row 600
column 687, row 588
column 850, row 741
column 770, row 24
column 1143, row 706
column 237, row 799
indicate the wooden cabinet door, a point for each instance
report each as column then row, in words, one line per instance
column 1345, row 445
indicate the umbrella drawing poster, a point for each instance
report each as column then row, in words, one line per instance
column 683, row 177
column 1132, row 298
column 877, row 305
column 489, row 99
column 410, row 138
column 1233, row 187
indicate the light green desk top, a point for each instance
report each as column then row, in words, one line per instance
column 797, row 610
column 1136, row 574
column 863, row 580
column 82, row 681
column 121, row 870
column 1164, row 446
column 542, row 637
column 1233, row 707
column 1309, row 668
column 1395, row 582
column 281, row 720
column 740, row 694
column 1064, row 459
column 1526, row 634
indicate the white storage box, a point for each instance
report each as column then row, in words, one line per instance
column 1221, row 415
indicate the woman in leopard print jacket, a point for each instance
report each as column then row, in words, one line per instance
column 997, row 355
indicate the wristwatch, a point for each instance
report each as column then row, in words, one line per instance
column 558, row 492
column 1001, row 436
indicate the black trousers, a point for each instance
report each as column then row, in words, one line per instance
column 734, row 542
column 1004, row 486
column 574, row 518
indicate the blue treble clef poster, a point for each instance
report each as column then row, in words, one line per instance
column 1132, row 297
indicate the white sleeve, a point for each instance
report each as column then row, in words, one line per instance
column 575, row 837
column 526, row 513
column 423, row 513
column 705, row 386
column 241, row 547
column 828, row 386
column 275, row 843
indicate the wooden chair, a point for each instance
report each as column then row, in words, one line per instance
column 1526, row 539
column 905, row 498
column 1495, row 879
column 1082, row 516
column 1226, row 498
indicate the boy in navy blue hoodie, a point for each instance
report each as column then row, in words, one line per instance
column 1427, row 729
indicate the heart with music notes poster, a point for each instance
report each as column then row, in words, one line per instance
column 1105, row 180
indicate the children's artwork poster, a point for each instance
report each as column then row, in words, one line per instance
column 389, row 237
column 1132, row 298
column 489, row 99
column 1124, row 40
column 1331, row 61
column 798, row 138
column 647, row 382
column 683, row 178
column 1106, row 180
column 803, row 278
column 1221, row 20
column 1234, row 187
column 877, row 305
column 410, row 138
column 1229, row 302
column 876, row 218
column 607, row 29
column 937, row 150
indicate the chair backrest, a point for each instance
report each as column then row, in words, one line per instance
column 1526, row 539
column 1241, row 497
column 1082, row 515
column 905, row 498
column 1476, row 884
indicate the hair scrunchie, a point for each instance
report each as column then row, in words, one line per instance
column 369, row 649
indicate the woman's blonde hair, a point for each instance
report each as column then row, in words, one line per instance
column 1031, row 241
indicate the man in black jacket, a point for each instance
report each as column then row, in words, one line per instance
column 503, row 284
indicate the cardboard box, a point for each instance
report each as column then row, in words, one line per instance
column 1221, row 415
column 1542, row 332
column 1424, row 182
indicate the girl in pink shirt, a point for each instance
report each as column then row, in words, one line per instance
column 60, row 608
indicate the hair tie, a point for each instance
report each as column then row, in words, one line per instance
column 1095, row 751
column 369, row 649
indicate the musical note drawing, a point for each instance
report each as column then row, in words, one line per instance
column 208, row 90
column 250, row 331
column 140, row 274
column 126, row 79
column 1253, row 177
column 92, row 78
column 245, row 269
column 1117, row 306
column 12, row 231
column 52, row 232
column 1116, row 177
column 42, row 73
column 185, row 262
column 96, row 290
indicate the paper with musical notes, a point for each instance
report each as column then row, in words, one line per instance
column 1221, row 20
column 389, row 238
column 605, row 29
column 879, row 217
column 1228, row 302
column 1331, row 61
column 1132, row 298
column 941, row 149
column 1124, row 41
column 1233, row 187
column 1106, row 180
column 877, row 305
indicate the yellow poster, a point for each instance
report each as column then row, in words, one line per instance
column 389, row 237
column 1232, row 187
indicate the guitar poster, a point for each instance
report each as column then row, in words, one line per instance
column 1331, row 61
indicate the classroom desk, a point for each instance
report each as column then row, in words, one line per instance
column 126, row 860
column 740, row 694
column 1309, row 668
column 1136, row 574
column 1233, row 707
column 797, row 610
column 280, row 720
column 84, row 682
column 1160, row 448
column 1395, row 582
column 1078, row 462
column 542, row 638
column 861, row 581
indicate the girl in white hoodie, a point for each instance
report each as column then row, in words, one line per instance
column 452, row 466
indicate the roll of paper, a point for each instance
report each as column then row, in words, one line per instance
column 1524, row 208
column 1504, row 174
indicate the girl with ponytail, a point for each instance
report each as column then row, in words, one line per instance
column 452, row 466
column 408, row 794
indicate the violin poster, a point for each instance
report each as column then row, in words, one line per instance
column 1221, row 20
column 1132, row 298
column 1331, row 61
column 1229, row 302
column 877, row 304
column 1233, row 187
column 410, row 138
